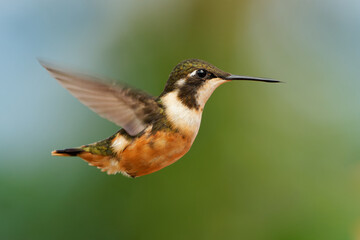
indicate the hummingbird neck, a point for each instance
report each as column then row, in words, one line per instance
column 205, row 91
column 184, row 111
column 182, row 118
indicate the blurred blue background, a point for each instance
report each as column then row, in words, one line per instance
column 270, row 161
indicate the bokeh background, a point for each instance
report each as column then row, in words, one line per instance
column 271, row 161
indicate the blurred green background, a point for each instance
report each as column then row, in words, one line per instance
column 270, row 162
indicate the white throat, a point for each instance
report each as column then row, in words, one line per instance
column 184, row 118
column 207, row 89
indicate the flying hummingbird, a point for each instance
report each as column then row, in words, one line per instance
column 156, row 131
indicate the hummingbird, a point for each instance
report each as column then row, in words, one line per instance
column 156, row 131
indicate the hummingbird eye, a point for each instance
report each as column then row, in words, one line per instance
column 201, row 73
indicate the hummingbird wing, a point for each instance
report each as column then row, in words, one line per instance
column 131, row 109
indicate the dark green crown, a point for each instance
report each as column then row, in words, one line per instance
column 188, row 66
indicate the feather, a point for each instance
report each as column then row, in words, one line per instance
column 129, row 108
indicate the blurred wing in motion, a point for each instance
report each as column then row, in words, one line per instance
column 131, row 109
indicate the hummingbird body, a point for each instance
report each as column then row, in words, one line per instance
column 156, row 131
column 138, row 156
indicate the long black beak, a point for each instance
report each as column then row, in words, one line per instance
column 237, row 77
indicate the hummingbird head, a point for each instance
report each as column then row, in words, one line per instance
column 194, row 81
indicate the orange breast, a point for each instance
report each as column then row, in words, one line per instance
column 151, row 153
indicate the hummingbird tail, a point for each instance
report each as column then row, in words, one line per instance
column 69, row 152
column 106, row 163
column 98, row 154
